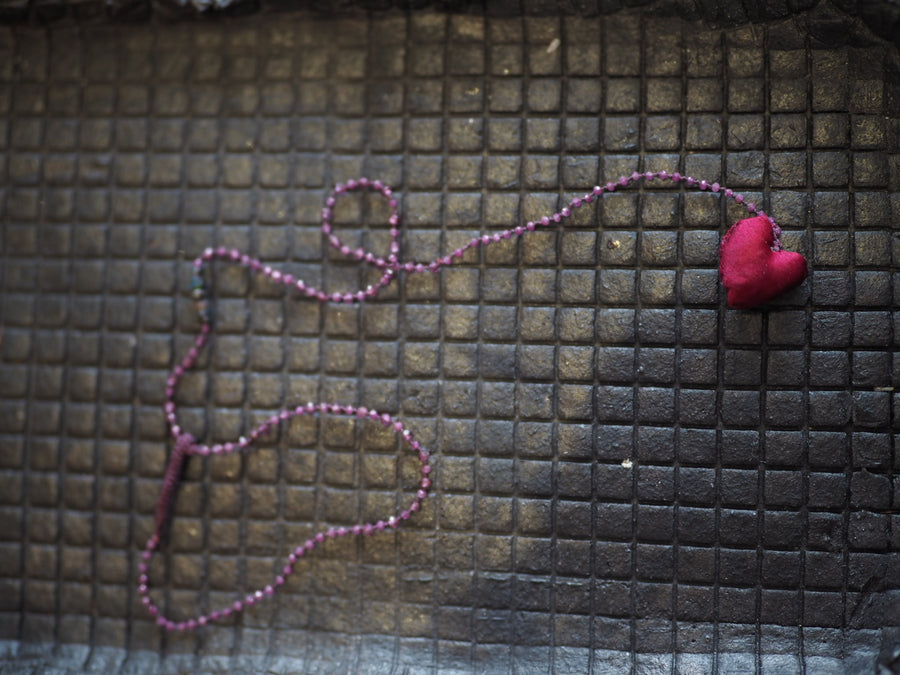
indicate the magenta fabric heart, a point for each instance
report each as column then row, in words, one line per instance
column 753, row 267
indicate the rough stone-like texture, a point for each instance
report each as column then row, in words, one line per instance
column 629, row 476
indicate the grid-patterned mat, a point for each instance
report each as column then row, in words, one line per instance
column 628, row 475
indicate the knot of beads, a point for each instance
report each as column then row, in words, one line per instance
column 198, row 293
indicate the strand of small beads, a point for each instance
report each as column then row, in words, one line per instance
column 186, row 445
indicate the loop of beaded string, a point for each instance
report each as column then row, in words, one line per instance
column 365, row 529
column 390, row 267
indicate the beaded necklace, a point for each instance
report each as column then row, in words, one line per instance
column 186, row 445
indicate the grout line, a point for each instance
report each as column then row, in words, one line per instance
column 515, row 494
column 210, row 350
column 636, row 385
column 399, row 382
column 595, row 361
column 104, row 335
column 133, row 554
column 556, row 423
column 405, row 118
column 764, row 349
column 359, row 459
column 677, row 384
column 279, row 447
column 720, row 377
column 280, row 485
column 846, row 557
column 64, row 391
column 27, row 412
column 477, row 266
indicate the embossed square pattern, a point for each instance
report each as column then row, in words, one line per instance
column 628, row 477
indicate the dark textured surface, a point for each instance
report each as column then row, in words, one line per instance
column 831, row 21
column 629, row 476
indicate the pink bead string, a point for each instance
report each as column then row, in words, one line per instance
column 390, row 266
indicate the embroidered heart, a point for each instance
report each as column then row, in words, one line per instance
column 753, row 267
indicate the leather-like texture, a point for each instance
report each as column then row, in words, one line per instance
column 628, row 475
